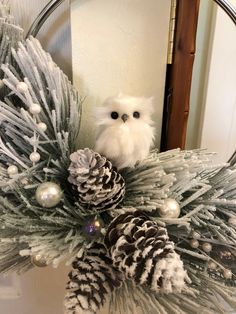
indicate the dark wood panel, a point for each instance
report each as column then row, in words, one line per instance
column 179, row 76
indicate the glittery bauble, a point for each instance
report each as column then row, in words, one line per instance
column 34, row 157
column 93, row 227
column 22, row 87
column 12, row 170
column 169, row 209
column 48, row 194
column 42, row 126
column 35, row 109
column 39, row 261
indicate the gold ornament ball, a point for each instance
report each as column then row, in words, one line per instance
column 169, row 209
column 48, row 194
column 39, row 261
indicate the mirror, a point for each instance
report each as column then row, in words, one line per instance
column 212, row 119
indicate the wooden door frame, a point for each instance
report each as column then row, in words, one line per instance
column 179, row 76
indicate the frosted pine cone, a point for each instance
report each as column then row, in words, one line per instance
column 92, row 279
column 142, row 251
column 100, row 187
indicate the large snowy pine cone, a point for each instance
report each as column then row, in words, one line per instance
column 142, row 251
column 92, row 280
column 99, row 186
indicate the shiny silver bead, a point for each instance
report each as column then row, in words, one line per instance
column 194, row 243
column 34, row 157
column 42, row 126
column 207, row 247
column 169, row 209
column 22, row 87
column 48, row 194
column 38, row 260
column 212, row 265
column 12, row 170
column 35, row 109
column 227, row 274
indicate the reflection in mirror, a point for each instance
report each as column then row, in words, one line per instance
column 212, row 120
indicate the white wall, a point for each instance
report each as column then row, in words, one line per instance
column 119, row 46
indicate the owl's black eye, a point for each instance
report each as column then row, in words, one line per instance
column 136, row 115
column 114, row 115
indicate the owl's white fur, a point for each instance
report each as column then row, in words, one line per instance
column 124, row 143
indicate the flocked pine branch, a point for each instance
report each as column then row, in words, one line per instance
column 52, row 133
column 10, row 35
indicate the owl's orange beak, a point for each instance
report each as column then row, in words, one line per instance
column 124, row 117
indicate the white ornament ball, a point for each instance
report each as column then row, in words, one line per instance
column 194, row 243
column 38, row 260
column 212, row 265
column 42, row 126
column 34, row 157
column 22, row 87
column 12, row 170
column 35, row 109
column 169, row 209
column 48, row 194
column 207, row 247
column 227, row 274
column 232, row 221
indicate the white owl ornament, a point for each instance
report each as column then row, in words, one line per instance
column 125, row 129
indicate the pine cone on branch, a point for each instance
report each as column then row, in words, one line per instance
column 99, row 186
column 142, row 251
column 92, row 279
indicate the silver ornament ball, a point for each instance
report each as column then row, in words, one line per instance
column 12, row 170
column 207, row 247
column 34, row 157
column 35, row 109
column 22, row 87
column 42, row 126
column 39, row 261
column 169, row 209
column 48, row 194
